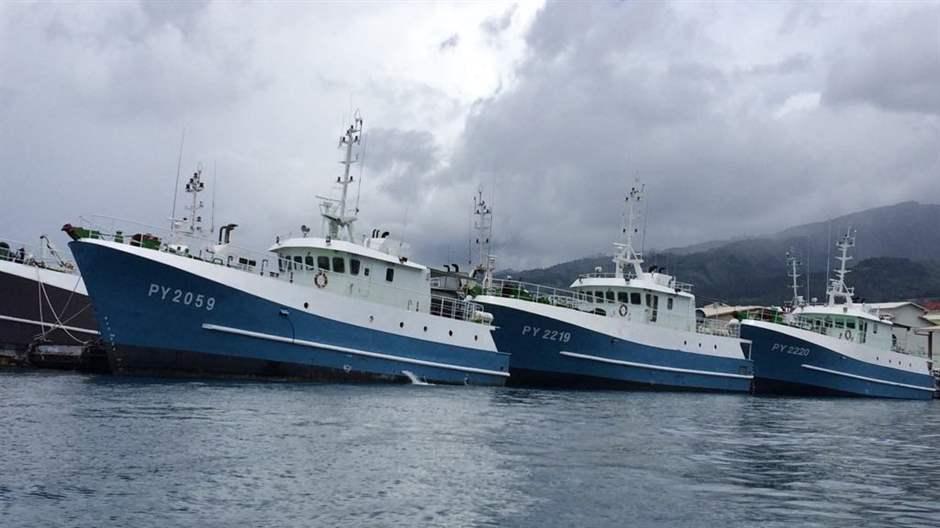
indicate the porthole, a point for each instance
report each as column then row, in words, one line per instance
column 425, row 329
column 450, row 333
column 401, row 324
column 371, row 318
column 700, row 345
column 306, row 305
column 685, row 342
column 716, row 347
column 476, row 338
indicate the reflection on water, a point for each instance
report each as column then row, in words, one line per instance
column 99, row 451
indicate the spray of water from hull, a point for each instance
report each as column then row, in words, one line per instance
column 415, row 380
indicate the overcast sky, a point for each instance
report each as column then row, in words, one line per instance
column 740, row 118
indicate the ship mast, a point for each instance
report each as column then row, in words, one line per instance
column 792, row 273
column 837, row 287
column 484, row 227
column 194, row 186
column 332, row 210
column 624, row 255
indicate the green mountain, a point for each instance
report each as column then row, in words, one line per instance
column 897, row 257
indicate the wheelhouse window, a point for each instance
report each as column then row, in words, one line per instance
column 298, row 262
column 636, row 298
column 323, row 263
column 599, row 295
column 354, row 266
column 389, row 274
column 669, row 303
column 610, row 296
column 339, row 265
column 623, row 297
column 308, row 261
column 365, row 272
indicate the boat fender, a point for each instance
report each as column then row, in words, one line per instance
column 848, row 335
column 320, row 279
column 623, row 310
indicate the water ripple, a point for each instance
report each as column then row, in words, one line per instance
column 98, row 451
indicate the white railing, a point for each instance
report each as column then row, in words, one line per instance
column 266, row 264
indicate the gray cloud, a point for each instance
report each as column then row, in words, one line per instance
column 449, row 43
column 494, row 26
column 741, row 120
column 894, row 65
column 612, row 91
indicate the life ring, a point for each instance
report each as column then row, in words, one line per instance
column 623, row 310
column 320, row 279
column 848, row 335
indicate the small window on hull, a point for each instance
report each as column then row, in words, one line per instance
column 389, row 274
column 323, row 263
column 669, row 303
column 339, row 265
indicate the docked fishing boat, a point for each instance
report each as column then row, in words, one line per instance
column 332, row 307
column 42, row 299
column 840, row 348
column 626, row 329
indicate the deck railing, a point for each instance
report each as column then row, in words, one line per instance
column 20, row 253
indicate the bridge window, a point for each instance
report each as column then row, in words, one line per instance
column 635, row 298
column 610, row 296
column 669, row 303
column 354, row 266
column 308, row 261
column 298, row 262
column 623, row 297
column 599, row 295
column 339, row 265
column 389, row 274
column 323, row 263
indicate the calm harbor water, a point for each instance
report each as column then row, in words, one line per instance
column 83, row 450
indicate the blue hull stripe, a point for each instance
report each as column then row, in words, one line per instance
column 653, row 367
column 873, row 380
column 345, row 350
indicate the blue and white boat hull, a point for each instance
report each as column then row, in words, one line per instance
column 790, row 360
column 561, row 347
column 166, row 314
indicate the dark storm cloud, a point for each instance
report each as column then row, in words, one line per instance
column 894, row 65
column 727, row 147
